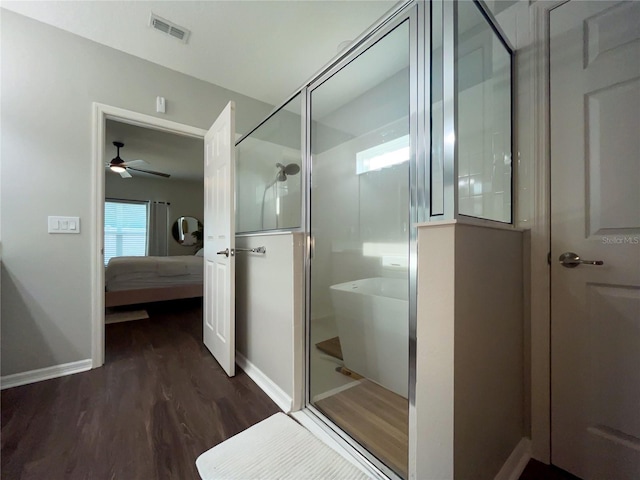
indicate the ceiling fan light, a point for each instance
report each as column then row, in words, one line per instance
column 117, row 169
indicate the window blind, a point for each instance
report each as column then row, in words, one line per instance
column 125, row 229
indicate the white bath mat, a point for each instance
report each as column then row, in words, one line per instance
column 125, row 316
column 276, row 448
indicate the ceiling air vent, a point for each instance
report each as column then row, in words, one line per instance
column 169, row 28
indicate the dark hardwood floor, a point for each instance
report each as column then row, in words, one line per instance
column 159, row 401
column 536, row 470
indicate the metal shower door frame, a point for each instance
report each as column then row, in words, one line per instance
column 417, row 14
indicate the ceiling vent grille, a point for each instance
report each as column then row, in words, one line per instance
column 169, row 28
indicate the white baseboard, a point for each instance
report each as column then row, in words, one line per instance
column 267, row 385
column 32, row 376
column 517, row 461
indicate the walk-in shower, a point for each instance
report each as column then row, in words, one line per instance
column 411, row 124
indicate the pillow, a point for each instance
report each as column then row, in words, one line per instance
column 200, row 253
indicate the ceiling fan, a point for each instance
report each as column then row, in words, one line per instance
column 120, row 166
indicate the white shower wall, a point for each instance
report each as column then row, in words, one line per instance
column 256, row 169
column 357, row 232
column 484, row 120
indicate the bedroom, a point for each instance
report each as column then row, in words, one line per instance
column 153, row 219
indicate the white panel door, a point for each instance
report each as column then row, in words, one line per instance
column 595, row 213
column 219, row 240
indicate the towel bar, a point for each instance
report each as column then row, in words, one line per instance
column 262, row 250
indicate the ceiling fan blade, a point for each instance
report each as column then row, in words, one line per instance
column 166, row 175
column 139, row 163
column 125, row 174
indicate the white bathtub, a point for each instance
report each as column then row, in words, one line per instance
column 372, row 316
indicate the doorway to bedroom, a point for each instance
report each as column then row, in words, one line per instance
column 149, row 223
column 153, row 210
column 152, row 240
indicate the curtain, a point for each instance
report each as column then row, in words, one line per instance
column 158, row 229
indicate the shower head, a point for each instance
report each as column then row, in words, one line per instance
column 281, row 176
column 291, row 169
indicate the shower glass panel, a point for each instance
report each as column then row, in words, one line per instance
column 359, row 224
column 268, row 179
column 483, row 88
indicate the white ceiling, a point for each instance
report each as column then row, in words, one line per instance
column 179, row 156
column 265, row 49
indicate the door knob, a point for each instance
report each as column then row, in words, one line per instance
column 224, row 252
column 572, row 260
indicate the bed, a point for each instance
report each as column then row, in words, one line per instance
column 132, row 280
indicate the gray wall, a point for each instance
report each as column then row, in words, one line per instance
column 49, row 80
column 488, row 365
column 269, row 314
column 469, row 357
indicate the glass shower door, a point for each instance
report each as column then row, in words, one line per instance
column 359, row 268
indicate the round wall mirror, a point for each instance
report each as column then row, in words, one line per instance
column 187, row 231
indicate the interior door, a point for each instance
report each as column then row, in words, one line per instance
column 219, row 240
column 595, row 211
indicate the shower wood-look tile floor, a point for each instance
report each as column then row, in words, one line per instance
column 159, row 401
column 377, row 418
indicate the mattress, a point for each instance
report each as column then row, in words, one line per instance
column 131, row 273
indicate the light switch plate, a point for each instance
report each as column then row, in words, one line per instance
column 57, row 224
